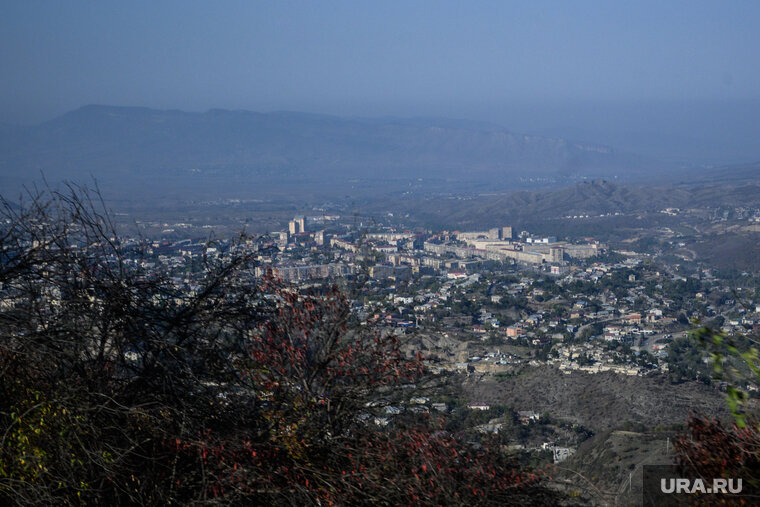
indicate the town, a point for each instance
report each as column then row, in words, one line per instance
column 483, row 307
column 484, row 302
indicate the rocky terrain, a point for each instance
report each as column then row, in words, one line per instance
column 602, row 401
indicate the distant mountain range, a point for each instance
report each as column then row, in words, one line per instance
column 125, row 145
column 733, row 187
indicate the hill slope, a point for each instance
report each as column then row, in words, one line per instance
column 593, row 198
column 120, row 142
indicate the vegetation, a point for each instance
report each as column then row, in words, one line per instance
column 121, row 386
column 710, row 447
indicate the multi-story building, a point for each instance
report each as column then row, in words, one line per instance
column 301, row 220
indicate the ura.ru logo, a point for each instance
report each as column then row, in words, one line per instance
column 682, row 485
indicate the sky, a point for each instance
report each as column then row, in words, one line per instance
column 486, row 60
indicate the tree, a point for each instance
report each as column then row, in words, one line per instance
column 121, row 384
column 712, row 449
column 715, row 449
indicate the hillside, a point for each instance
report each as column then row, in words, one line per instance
column 612, row 464
column 121, row 143
column 593, row 198
column 601, row 401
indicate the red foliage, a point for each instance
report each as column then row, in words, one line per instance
column 315, row 439
column 400, row 467
column 711, row 449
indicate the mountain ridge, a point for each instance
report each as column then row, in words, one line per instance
column 594, row 198
column 117, row 142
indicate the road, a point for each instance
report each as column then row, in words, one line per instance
column 648, row 343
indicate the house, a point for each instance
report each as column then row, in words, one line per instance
column 489, row 428
column 528, row 416
column 479, row 406
column 562, row 453
column 533, row 320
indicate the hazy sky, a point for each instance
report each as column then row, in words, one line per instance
column 368, row 58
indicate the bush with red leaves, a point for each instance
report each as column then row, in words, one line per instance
column 711, row 449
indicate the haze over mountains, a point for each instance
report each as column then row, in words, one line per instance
column 593, row 198
column 121, row 145
column 146, row 155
